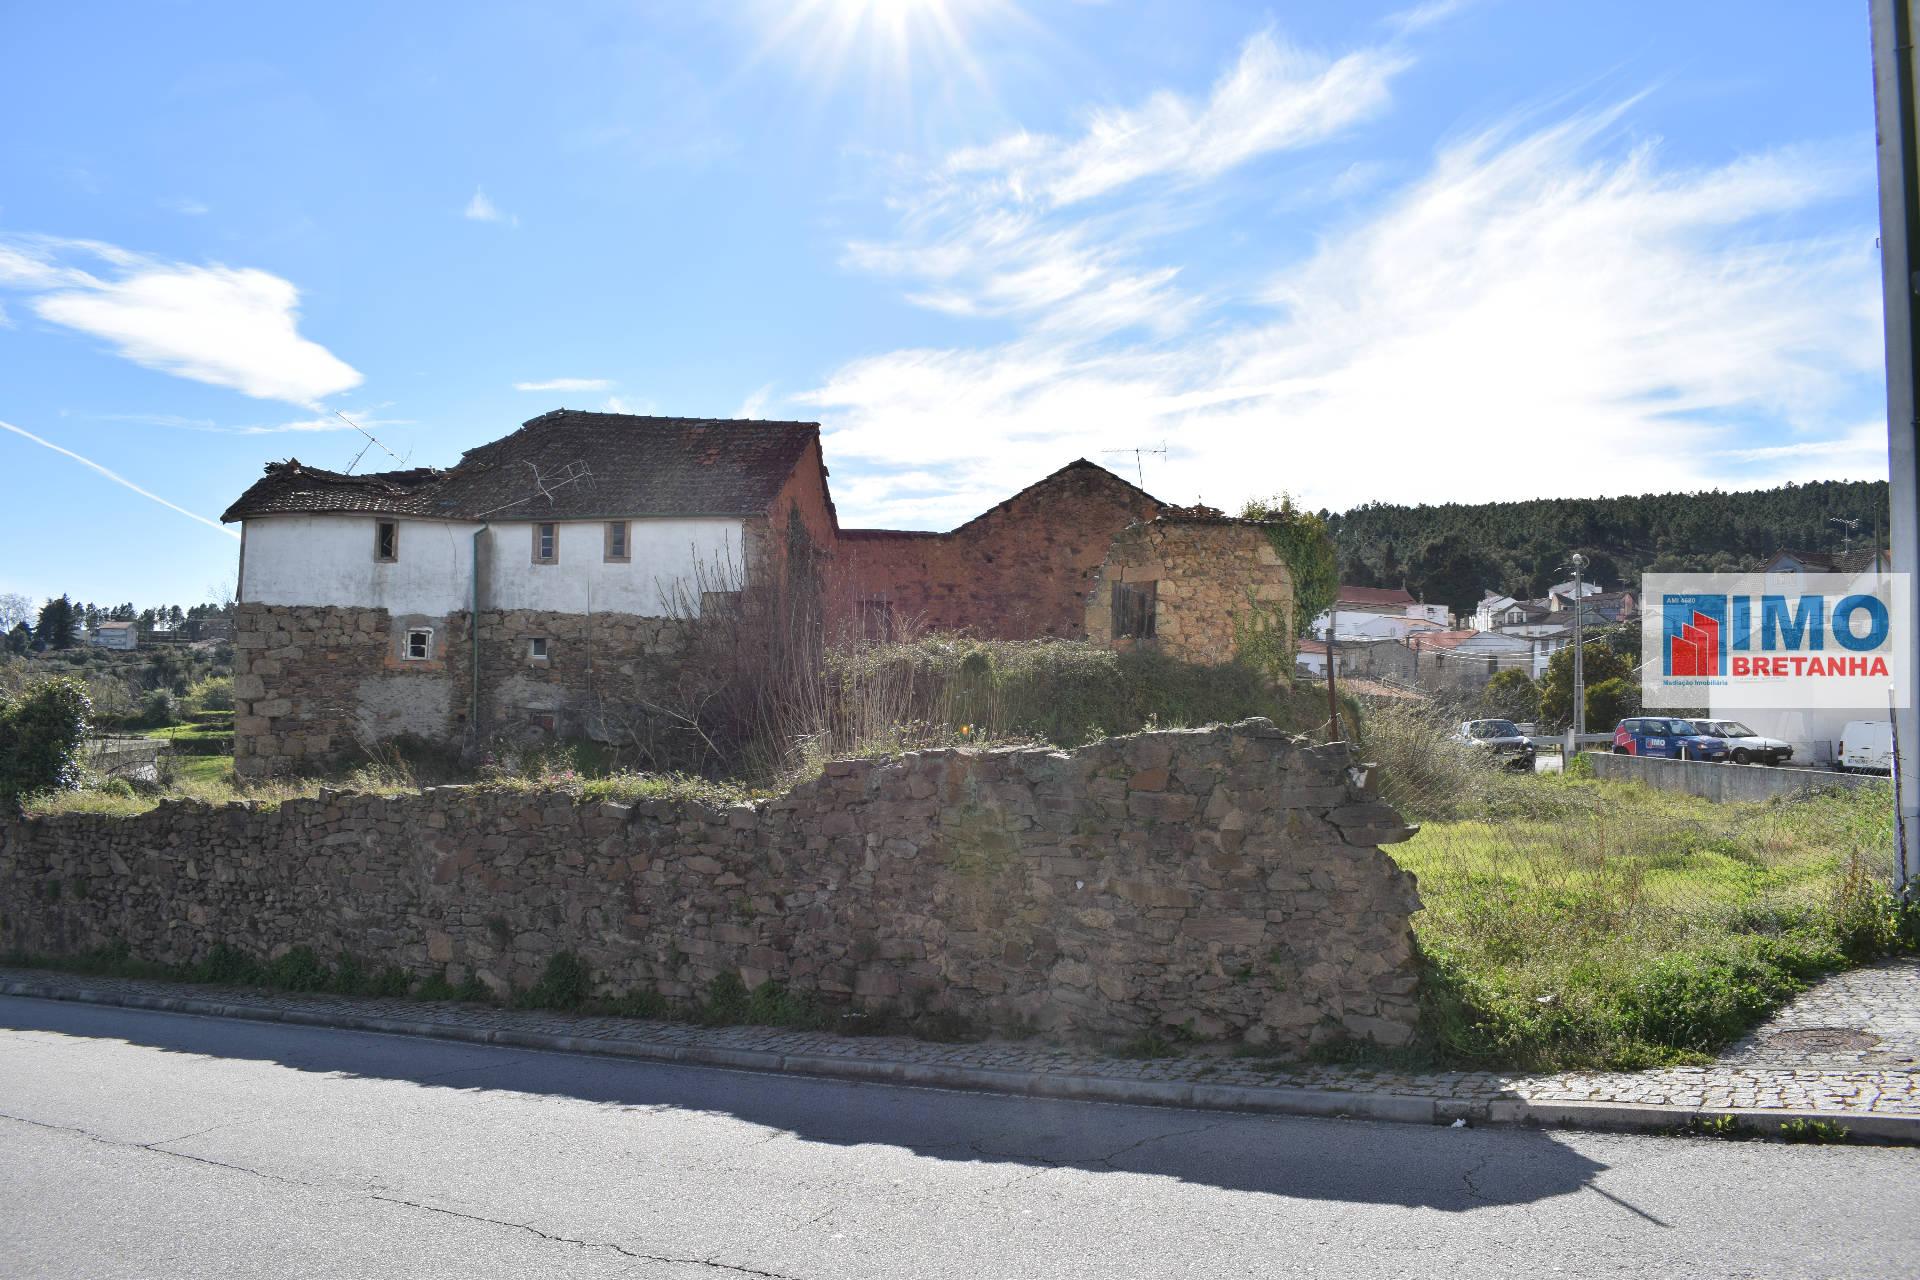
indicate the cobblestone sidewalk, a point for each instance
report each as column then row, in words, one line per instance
column 1846, row 1051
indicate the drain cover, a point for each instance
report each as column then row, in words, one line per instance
column 1823, row 1038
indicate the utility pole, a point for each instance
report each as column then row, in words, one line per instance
column 1333, row 700
column 1896, row 126
column 1579, row 562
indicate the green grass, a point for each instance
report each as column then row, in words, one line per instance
column 1576, row 924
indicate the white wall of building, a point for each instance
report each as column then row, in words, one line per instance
column 664, row 553
column 329, row 560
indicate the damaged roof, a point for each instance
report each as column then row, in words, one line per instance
column 567, row 464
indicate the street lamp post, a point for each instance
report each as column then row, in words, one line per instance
column 1579, row 562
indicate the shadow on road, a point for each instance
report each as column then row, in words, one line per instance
column 1453, row 1170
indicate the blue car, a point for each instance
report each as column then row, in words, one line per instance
column 1667, row 737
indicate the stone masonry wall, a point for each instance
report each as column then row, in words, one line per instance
column 1213, row 578
column 1224, row 880
column 311, row 682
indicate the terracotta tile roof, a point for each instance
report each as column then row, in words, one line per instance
column 634, row 466
column 1079, row 466
column 1374, row 595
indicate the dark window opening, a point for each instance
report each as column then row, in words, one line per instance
column 1133, row 606
column 419, row 645
column 546, row 543
column 537, row 648
column 876, row 620
column 617, row 540
column 386, row 540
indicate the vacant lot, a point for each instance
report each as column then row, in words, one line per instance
column 1573, row 923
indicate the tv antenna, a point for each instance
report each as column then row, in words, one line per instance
column 1849, row 528
column 544, row 483
column 372, row 440
column 1139, row 459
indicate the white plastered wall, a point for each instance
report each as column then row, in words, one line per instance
column 329, row 560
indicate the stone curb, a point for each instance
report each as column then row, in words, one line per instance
column 1398, row 1108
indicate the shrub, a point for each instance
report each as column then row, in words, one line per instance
column 215, row 693
column 158, row 709
column 564, row 984
column 40, row 736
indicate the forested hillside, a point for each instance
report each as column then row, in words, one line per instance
column 1451, row 553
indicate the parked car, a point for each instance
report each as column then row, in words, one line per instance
column 1744, row 746
column 1666, row 736
column 1866, row 746
column 1500, row 738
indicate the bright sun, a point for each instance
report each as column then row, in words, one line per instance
column 889, row 43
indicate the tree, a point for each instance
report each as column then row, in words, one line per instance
column 1510, row 695
column 1447, row 572
column 14, row 609
column 20, row 639
column 40, row 736
column 1556, row 691
column 1610, row 702
column 57, row 627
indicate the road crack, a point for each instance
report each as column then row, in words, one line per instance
column 156, row 1148
column 622, row 1250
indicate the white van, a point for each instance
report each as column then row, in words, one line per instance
column 1866, row 746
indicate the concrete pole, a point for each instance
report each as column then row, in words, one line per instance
column 1897, row 127
column 1333, row 699
column 1579, row 562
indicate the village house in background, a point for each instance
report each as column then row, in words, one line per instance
column 559, row 570
column 115, row 635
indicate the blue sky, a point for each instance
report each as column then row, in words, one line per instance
column 1452, row 251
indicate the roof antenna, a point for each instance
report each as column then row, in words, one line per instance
column 372, row 440
column 575, row 472
column 1139, row 457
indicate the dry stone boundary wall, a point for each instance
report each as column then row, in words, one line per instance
column 1226, row 881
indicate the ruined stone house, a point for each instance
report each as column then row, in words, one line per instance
column 549, row 570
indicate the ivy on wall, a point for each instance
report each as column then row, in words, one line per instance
column 1303, row 543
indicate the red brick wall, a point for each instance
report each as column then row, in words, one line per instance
column 1017, row 572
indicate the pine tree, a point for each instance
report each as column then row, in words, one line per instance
column 57, row 628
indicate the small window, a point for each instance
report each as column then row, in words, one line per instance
column 386, row 540
column 546, row 543
column 617, row 542
column 419, row 644
column 542, row 722
column 537, row 648
column 1133, row 608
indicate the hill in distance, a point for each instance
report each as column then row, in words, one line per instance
column 1455, row 552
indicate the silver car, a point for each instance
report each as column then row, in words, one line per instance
column 1744, row 746
column 1501, row 739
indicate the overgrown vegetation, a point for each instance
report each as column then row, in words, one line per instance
column 40, row 735
column 1573, row 923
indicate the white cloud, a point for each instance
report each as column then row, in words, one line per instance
column 118, row 479
column 230, row 327
column 1274, row 98
column 482, row 209
column 565, row 384
column 1003, row 229
column 326, row 422
column 186, row 207
column 755, row 405
column 619, row 404
column 1538, row 314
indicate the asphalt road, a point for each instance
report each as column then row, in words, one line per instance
column 142, row 1144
